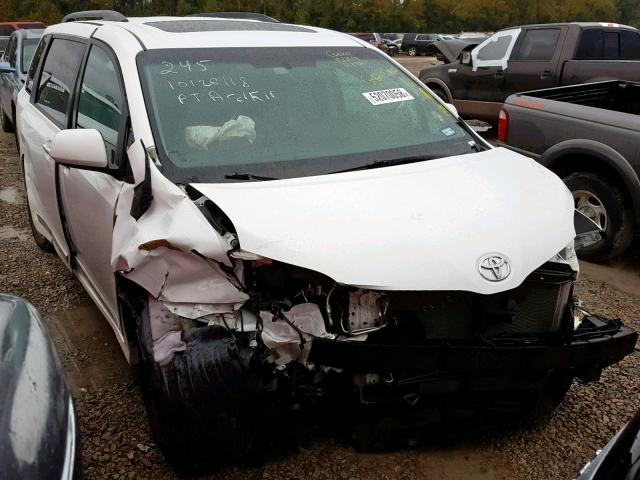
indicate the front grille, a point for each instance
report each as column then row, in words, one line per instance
column 538, row 305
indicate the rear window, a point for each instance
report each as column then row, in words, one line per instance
column 539, row 45
column 6, row 30
column 591, row 44
column 629, row 45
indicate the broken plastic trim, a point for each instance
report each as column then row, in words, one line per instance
column 142, row 194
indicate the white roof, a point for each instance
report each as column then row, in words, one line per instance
column 215, row 32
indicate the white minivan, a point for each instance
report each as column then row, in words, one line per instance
column 271, row 214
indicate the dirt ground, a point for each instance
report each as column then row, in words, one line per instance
column 116, row 443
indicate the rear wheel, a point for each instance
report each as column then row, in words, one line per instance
column 42, row 242
column 412, row 52
column 204, row 406
column 7, row 125
column 604, row 203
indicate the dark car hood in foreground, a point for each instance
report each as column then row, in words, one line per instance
column 620, row 458
column 34, row 399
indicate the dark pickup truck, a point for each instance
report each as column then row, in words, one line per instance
column 478, row 78
column 589, row 135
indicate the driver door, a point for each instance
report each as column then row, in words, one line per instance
column 89, row 197
column 482, row 80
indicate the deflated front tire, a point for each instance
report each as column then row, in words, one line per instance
column 204, row 406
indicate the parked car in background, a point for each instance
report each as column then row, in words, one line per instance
column 417, row 43
column 374, row 39
column 590, row 136
column 533, row 57
column 619, row 459
column 38, row 434
column 7, row 28
column 237, row 15
column 14, row 65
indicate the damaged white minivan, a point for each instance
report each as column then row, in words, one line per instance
column 269, row 214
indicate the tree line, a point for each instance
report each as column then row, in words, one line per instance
column 444, row 16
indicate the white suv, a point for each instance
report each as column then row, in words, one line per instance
column 267, row 214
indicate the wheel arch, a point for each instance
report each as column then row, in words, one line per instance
column 591, row 156
column 432, row 81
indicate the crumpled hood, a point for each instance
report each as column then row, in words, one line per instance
column 421, row 226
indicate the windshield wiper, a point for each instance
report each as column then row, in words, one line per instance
column 387, row 163
column 248, row 176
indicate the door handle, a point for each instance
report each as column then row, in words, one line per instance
column 546, row 74
column 47, row 148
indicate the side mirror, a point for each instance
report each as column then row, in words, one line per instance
column 79, row 147
column 6, row 68
column 452, row 108
column 466, row 58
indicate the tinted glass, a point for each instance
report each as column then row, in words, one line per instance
column 34, row 62
column 12, row 52
column 611, row 49
column 423, row 37
column 539, row 45
column 495, row 50
column 6, row 30
column 591, row 44
column 28, row 49
column 57, row 78
column 3, row 44
column 101, row 99
column 629, row 45
column 7, row 49
column 288, row 112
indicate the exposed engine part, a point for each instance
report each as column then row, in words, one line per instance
column 364, row 311
column 290, row 337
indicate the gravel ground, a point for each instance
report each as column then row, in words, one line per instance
column 116, row 439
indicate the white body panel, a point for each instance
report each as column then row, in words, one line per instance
column 421, row 226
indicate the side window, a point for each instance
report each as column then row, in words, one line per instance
column 591, row 44
column 7, row 49
column 422, row 38
column 101, row 99
column 6, row 30
column 629, row 45
column 53, row 95
column 12, row 51
column 539, row 45
column 34, row 62
column 495, row 50
column 611, row 46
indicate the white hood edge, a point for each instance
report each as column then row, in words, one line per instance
column 421, row 226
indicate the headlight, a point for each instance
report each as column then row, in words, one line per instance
column 568, row 255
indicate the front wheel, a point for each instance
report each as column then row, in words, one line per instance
column 204, row 407
column 604, row 203
column 41, row 241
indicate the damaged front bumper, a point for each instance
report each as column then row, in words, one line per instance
column 451, row 366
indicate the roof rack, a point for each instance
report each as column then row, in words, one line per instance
column 110, row 15
column 237, row 16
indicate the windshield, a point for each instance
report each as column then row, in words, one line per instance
column 288, row 112
column 28, row 49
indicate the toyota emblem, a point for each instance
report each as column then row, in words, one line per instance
column 494, row 267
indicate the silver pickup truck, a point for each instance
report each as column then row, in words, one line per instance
column 589, row 135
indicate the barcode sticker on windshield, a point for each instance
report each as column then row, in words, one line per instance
column 390, row 95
